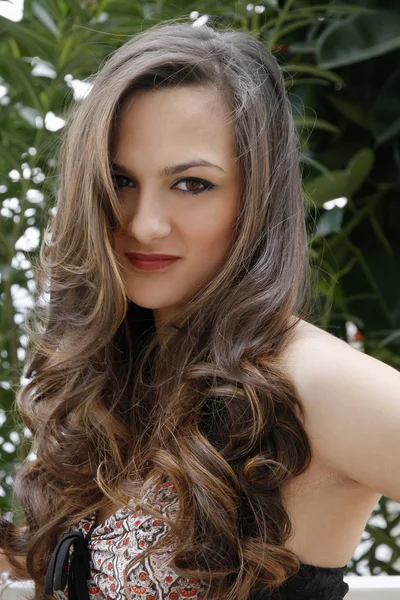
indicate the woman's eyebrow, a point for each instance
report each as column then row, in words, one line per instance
column 173, row 169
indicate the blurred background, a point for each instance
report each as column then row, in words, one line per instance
column 341, row 62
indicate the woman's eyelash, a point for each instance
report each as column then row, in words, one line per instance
column 207, row 185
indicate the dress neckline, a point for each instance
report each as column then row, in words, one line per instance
column 319, row 568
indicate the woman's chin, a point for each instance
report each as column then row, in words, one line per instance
column 152, row 303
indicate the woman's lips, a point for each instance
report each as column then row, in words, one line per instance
column 151, row 265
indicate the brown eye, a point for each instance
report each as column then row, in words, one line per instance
column 119, row 181
column 195, row 181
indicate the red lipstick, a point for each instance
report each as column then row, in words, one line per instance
column 151, row 262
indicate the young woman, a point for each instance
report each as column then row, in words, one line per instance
column 195, row 437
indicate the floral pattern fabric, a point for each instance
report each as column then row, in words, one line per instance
column 125, row 535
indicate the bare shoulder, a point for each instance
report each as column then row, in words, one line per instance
column 352, row 407
column 307, row 341
column 307, row 331
column 313, row 355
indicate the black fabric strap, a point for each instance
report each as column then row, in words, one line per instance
column 79, row 568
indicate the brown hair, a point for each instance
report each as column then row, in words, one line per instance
column 114, row 408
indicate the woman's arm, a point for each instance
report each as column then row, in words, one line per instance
column 352, row 401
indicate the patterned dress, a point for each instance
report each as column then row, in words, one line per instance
column 125, row 535
column 100, row 555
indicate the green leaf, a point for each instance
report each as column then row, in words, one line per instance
column 314, row 123
column 359, row 168
column 386, row 112
column 353, row 112
column 67, row 48
column 347, row 8
column 304, row 158
column 32, row 42
column 394, row 336
column 328, row 11
column 380, row 535
column 292, row 27
column 306, row 81
column 372, row 4
column 346, row 269
column 371, row 276
column 10, row 157
column 316, row 71
column 328, row 187
column 308, row 47
column 380, row 235
column 358, row 38
column 17, row 75
column 43, row 16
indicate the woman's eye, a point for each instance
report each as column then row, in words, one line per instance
column 206, row 185
column 115, row 178
column 120, row 181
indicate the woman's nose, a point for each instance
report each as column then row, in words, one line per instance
column 148, row 219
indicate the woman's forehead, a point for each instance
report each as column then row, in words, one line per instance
column 165, row 124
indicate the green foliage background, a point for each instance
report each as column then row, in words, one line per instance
column 342, row 67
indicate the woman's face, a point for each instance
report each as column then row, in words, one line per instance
column 174, row 213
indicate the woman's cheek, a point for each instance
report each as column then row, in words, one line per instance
column 212, row 228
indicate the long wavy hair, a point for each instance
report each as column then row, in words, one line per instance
column 114, row 407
